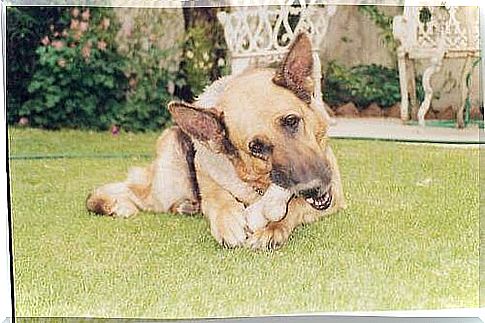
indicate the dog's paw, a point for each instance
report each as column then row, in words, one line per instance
column 272, row 237
column 229, row 230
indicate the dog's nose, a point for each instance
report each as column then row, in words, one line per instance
column 313, row 192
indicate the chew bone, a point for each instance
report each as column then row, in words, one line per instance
column 272, row 206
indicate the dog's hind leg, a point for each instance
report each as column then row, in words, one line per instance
column 174, row 186
column 167, row 185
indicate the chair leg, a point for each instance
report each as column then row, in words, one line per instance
column 435, row 66
column 413, row 101
column 403, row 82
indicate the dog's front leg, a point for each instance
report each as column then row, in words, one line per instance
column 224, row 212
column 273, row 235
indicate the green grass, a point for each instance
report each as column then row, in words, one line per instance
column 409, row 238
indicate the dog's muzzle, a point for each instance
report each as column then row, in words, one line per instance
column 316, row 198
column 308, row 180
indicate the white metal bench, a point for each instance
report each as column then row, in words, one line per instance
column 434, row 33
column 260, row 35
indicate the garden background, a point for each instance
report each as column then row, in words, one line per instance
column 409, row 238
column 102, row 67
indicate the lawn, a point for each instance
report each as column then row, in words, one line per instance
column 409, row 238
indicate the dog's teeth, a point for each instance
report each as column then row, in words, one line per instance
column 310, row 200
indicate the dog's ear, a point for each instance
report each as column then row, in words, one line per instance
column 204, row 125
column 295, row 71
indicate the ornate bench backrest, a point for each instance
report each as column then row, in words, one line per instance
column 260, row 35
column 429, row 27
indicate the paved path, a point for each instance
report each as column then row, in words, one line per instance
column 393, row 129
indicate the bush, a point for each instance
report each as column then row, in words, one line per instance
column 150, row 85
column 363, row 85
column 78, row 81
column 203, row 62
column 82, row 80
column 25, row 28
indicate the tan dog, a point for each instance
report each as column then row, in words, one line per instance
column 248, row 134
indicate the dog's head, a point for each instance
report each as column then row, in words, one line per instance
column 266, row 123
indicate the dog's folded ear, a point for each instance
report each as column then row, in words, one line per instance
column 295, row 71
column 203, row 125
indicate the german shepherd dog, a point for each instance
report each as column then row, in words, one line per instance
column 251, row 153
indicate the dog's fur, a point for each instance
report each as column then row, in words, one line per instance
column 244, row 134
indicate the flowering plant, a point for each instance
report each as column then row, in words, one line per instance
column 79, row 79
column 203, row 60
column 146, row 66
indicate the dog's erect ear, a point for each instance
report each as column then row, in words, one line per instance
column 295, row 71
column 204, row 125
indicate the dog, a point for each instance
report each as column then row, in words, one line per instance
column 251, row 154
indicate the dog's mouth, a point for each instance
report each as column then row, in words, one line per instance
column 320, row 203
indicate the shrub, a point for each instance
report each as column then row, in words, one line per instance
column 78, row 81
column 83, row 80
column 25, row 28
column 363, row 85
column 203, row 62
column 150, row 84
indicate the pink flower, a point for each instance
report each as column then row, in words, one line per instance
column 85, row 15
column 56, row 34
column 115, row 130
column 74, row 24
column 61, row 62
column 75, row 12
column 45, row 41
column 86, row 51
column 57, row 44
column 83, row 26
column 102, row 45
column 105, row 23
column 24, row 121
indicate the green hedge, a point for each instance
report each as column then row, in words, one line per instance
column 363, row 85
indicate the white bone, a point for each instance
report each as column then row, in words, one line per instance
column 272, row 206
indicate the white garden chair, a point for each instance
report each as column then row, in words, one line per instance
column 433, row 34
column 259, row 35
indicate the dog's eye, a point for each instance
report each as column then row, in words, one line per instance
column 291, row 122
column 259, row 149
